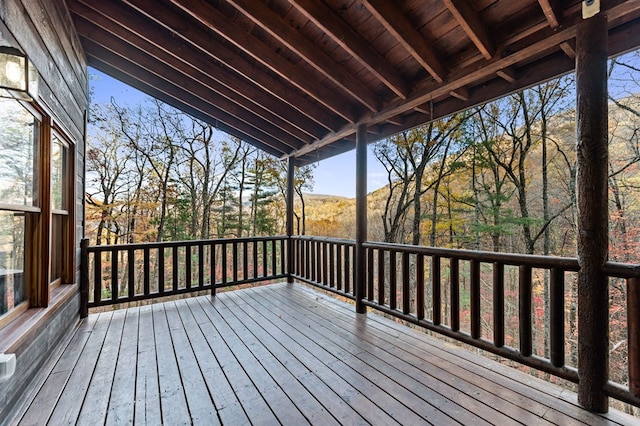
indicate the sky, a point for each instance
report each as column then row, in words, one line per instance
column 333, row 176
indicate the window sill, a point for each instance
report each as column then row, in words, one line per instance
column 28, row 324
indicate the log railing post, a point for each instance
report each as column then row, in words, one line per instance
column 290, row 179
column 361, row 219
column 84, row 278
column 591, row 189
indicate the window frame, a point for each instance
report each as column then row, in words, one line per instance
column 32, row 216
column 67, row 233
column 40, row 218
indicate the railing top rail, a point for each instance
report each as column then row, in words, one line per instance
column 621, row 270
column 536, row 261
column 324, row 239
column 612, row 269
column 151, row 245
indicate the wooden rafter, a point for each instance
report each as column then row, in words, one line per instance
column 204, row 92
column 226, row 85
column 141, row 78
column 461, row 93
column 210, row 17
column 298, row 77
column 219, row 51
column 262, row 16
column 508, row 74
column 323, row 17
column 468, row 19
column 549, row 7
column 544, row 40
column 569, row 48
column 391, row 17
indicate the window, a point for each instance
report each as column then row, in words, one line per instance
column 19, row 147
column 36, row 208
column 61, row 177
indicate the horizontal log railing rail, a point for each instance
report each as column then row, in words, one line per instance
column 123, row 273
column 424, row 286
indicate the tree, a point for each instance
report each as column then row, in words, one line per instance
column 405, row 158
column 107, row 160
column 517, row 117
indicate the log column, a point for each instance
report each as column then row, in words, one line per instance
column 290, row 180
column 593, row 232
column 361, row 218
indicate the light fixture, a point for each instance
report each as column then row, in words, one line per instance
column 18, row 76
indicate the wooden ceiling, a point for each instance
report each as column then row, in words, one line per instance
column 297, row 77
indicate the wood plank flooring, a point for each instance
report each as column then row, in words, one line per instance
column 283, row 354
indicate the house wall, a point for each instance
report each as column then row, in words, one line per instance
column 44, row 31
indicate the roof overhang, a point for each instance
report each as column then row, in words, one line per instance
column 297, row 77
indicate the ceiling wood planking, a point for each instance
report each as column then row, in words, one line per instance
column 190, row 31
column 135, row 82
column 463, row 12
column 210, row 17
column 543, row 40
column 160, row 81
column 262, row 16
column 89, row 23
column 349, row 40
column 297, row 77
column 391, row 17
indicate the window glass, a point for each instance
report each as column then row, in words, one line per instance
column 58, row 166
column 12, row 260
column 61, row 180
column 19, row 133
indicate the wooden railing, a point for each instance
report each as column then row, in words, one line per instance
column 326, row 263
column 114, row 274
column 450, row 291
column 488, row 300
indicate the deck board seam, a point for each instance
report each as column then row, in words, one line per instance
column 393, row 407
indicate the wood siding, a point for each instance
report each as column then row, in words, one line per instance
column 43, row 30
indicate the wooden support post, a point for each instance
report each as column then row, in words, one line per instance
column 593, row 233
column 361, row 218
column 290, row 181
column 84, row 278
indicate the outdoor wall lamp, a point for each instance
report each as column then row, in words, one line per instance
column 18, row 76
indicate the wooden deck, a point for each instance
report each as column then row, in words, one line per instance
column 283, row 354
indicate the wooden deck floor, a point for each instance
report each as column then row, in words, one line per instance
column 283, row 354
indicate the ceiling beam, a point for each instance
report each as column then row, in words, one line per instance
column 339, row 31
column 214, row 20
column 550, row 9
column 225, row 84
column 161, row 80
column 270, row 22
column 391, row 17
column 468, row 18
column 143, row 59
column 507, row 74
column 543, row 40
column 220, row 52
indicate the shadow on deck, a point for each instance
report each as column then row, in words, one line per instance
column 283, row 354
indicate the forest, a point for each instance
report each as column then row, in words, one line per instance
column 498, row 177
